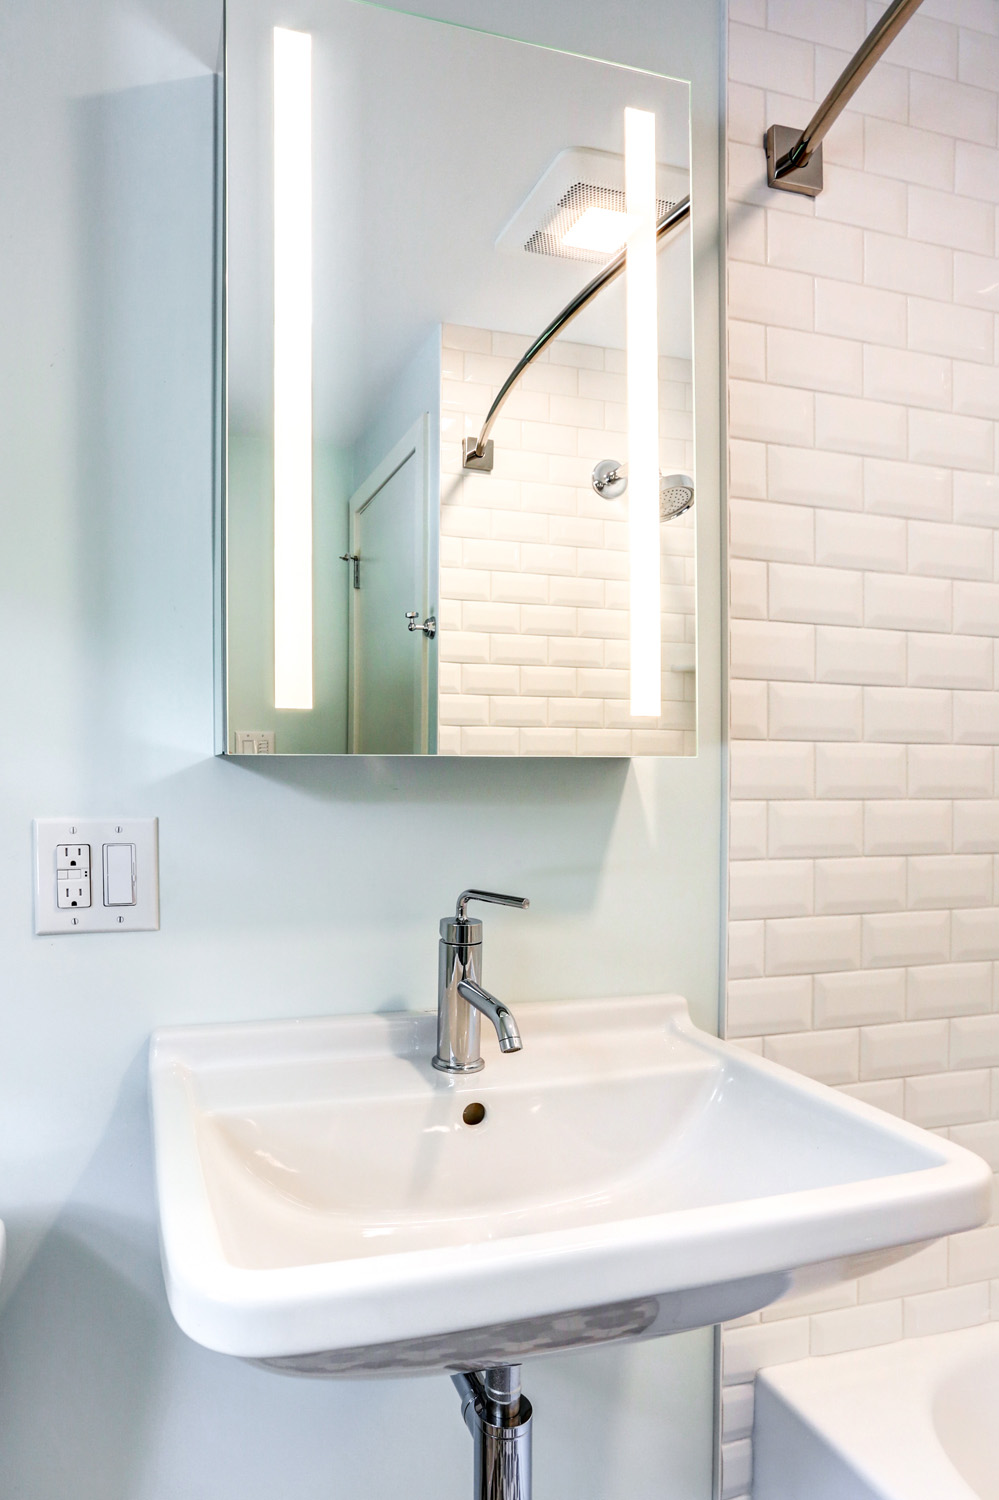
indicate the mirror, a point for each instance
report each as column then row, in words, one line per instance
column 408, row 206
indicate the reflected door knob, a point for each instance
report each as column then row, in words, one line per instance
column 429, row 626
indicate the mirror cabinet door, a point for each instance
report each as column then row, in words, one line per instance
column 410, row 564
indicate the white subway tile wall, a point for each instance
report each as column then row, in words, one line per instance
column 864, row 602
column 534, row 564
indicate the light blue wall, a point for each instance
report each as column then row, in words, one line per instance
column 286, row 889
column 249, row 563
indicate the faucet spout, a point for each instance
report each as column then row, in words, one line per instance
column 500, row 1014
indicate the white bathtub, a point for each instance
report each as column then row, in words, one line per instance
column 916, row 1420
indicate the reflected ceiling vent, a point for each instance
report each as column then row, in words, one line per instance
column 587, row 223
column 576, row 211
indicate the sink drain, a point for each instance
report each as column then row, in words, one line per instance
column 473, row 1114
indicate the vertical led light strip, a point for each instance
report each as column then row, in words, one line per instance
column 292, row 369
column 643, row 412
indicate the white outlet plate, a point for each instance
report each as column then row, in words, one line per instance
column 144, row 916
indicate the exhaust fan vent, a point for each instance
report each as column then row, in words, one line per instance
column 580, row 186
column 549, row 237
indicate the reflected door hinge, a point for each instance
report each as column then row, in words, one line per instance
column 355, row 558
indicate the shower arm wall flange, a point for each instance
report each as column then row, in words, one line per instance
column 794, row 158
column 477, row 453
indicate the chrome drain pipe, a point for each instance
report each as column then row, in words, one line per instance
column 498, row 1416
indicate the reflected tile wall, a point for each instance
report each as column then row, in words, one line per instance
column 534, row 564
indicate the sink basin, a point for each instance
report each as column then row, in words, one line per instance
column 326, row 1208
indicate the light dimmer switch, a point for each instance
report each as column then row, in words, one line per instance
column 96, row 875
column 119, row 874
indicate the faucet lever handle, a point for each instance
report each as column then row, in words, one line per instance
column 461, row 907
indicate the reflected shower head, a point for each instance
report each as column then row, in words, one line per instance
column 676, row 494
column 676, row 491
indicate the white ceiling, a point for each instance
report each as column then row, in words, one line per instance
column 427, row 138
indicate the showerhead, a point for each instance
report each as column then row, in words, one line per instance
column 676, row 491
column 676, row 494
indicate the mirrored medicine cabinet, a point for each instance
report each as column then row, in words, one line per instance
column 408, row 566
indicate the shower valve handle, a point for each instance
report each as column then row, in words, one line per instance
column 429, row 626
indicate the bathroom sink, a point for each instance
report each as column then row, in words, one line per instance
column 329, row 1204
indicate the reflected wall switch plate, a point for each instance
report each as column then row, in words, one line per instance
column 97, row 875
column 253, row 742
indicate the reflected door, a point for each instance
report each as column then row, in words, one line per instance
column 388, row 660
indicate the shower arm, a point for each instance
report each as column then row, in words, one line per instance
column 474, row 453
column 787, row 157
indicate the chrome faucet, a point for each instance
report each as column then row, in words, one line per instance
column 460, row 996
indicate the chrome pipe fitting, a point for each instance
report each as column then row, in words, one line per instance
column 499, row 1417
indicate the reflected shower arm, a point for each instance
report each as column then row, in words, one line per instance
column 794, row 159
column 477, row 452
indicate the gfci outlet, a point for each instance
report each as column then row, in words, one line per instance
column 97, row 875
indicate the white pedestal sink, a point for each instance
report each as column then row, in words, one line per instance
column 326, row 1208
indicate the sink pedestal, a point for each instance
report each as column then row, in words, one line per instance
column 499, row 1418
